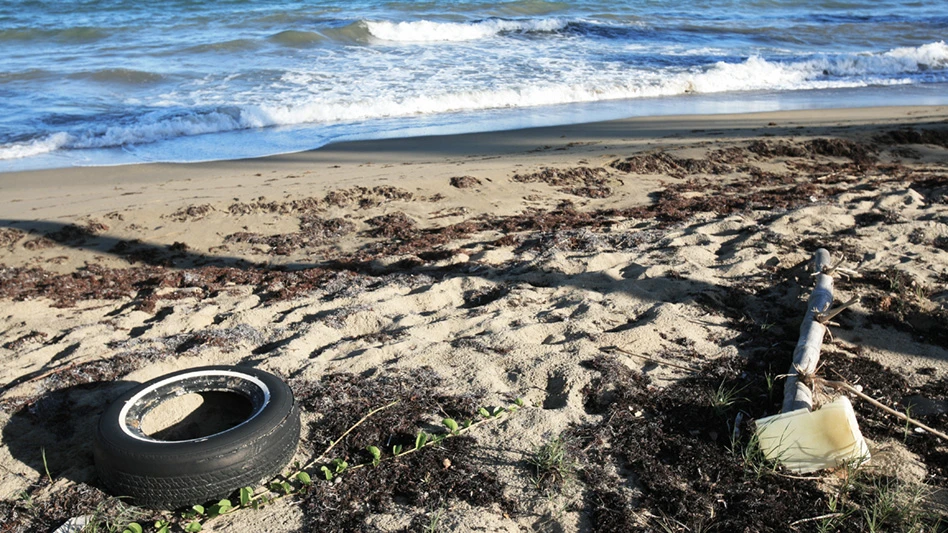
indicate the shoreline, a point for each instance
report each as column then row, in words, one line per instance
column 532, row 145
column 482, row 268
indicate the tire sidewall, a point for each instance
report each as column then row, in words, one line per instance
column 120, row 451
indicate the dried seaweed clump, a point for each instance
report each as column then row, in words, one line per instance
column 29, row 338
column 681, row 201
column 10, row 236
column 35, row 511
column 665, row 163
column 392, row 225
column 365, row 197
column 465, row 182
column 861, row 154
column 579, row 181
column 192, row 212
column 672, row 456
column 938, row 137
column 314, row 231
column 899, row 300
column 418, row 483
column 96, row 282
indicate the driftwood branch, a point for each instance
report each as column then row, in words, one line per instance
column 649, row 359
column 806, row 356
column 842, row 385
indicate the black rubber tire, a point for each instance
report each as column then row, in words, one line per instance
column 167, row 474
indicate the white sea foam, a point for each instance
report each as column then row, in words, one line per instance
column 579, row 83
column 429, row 31
column 34, row 147
column 843, row 70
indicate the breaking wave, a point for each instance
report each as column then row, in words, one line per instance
column 429, row 31
column 753, row 74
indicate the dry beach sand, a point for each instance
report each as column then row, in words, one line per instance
column 465, row 271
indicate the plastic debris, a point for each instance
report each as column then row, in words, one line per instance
column 806, row 441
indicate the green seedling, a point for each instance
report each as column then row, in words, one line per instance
column 724, row 397
column 134, row 527
column 434, row 522
column 375, row 453
column 246, row 496
column 551, row 465
column 283, row 488
column 421, row 440
column 194, row 512
column 219, row 508
column 451, row 425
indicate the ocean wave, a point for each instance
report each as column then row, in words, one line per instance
column 752, row 74
column 118, row 75
column 431, row 31
column 78, row 34
column 34, row 147
column 296, row 38
column 233, row 45
column 843, row 70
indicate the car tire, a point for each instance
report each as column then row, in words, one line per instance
column 168, row 474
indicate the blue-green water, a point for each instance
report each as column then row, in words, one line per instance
column 115, row 81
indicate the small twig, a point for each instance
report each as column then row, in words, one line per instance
column 322, row 456
column 429, row 443
column 41, row 375
column 824, row 318
column 815, row 518
column 649, row 359
column 846, row 386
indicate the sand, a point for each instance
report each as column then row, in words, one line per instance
column 503, row 261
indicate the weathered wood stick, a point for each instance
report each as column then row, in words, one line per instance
column 846, row 386
column 806, row 356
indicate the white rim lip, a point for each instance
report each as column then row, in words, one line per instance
column 123, row 414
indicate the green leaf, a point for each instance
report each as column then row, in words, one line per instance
column 199, row 509
column 193, row 527
column 421, row 440
column 519, row 402
column 467, row 423
column 326, row 472
column 246, row 494
column 304, row 478
column 498, row 410
column 450, row 424
column 162, row 526
column 376, row 454
column 339, row 465
column 483, row 412
column 397, row 449
column 219, row 508
column 133, row 528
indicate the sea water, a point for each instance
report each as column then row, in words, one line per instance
column 102, row 82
